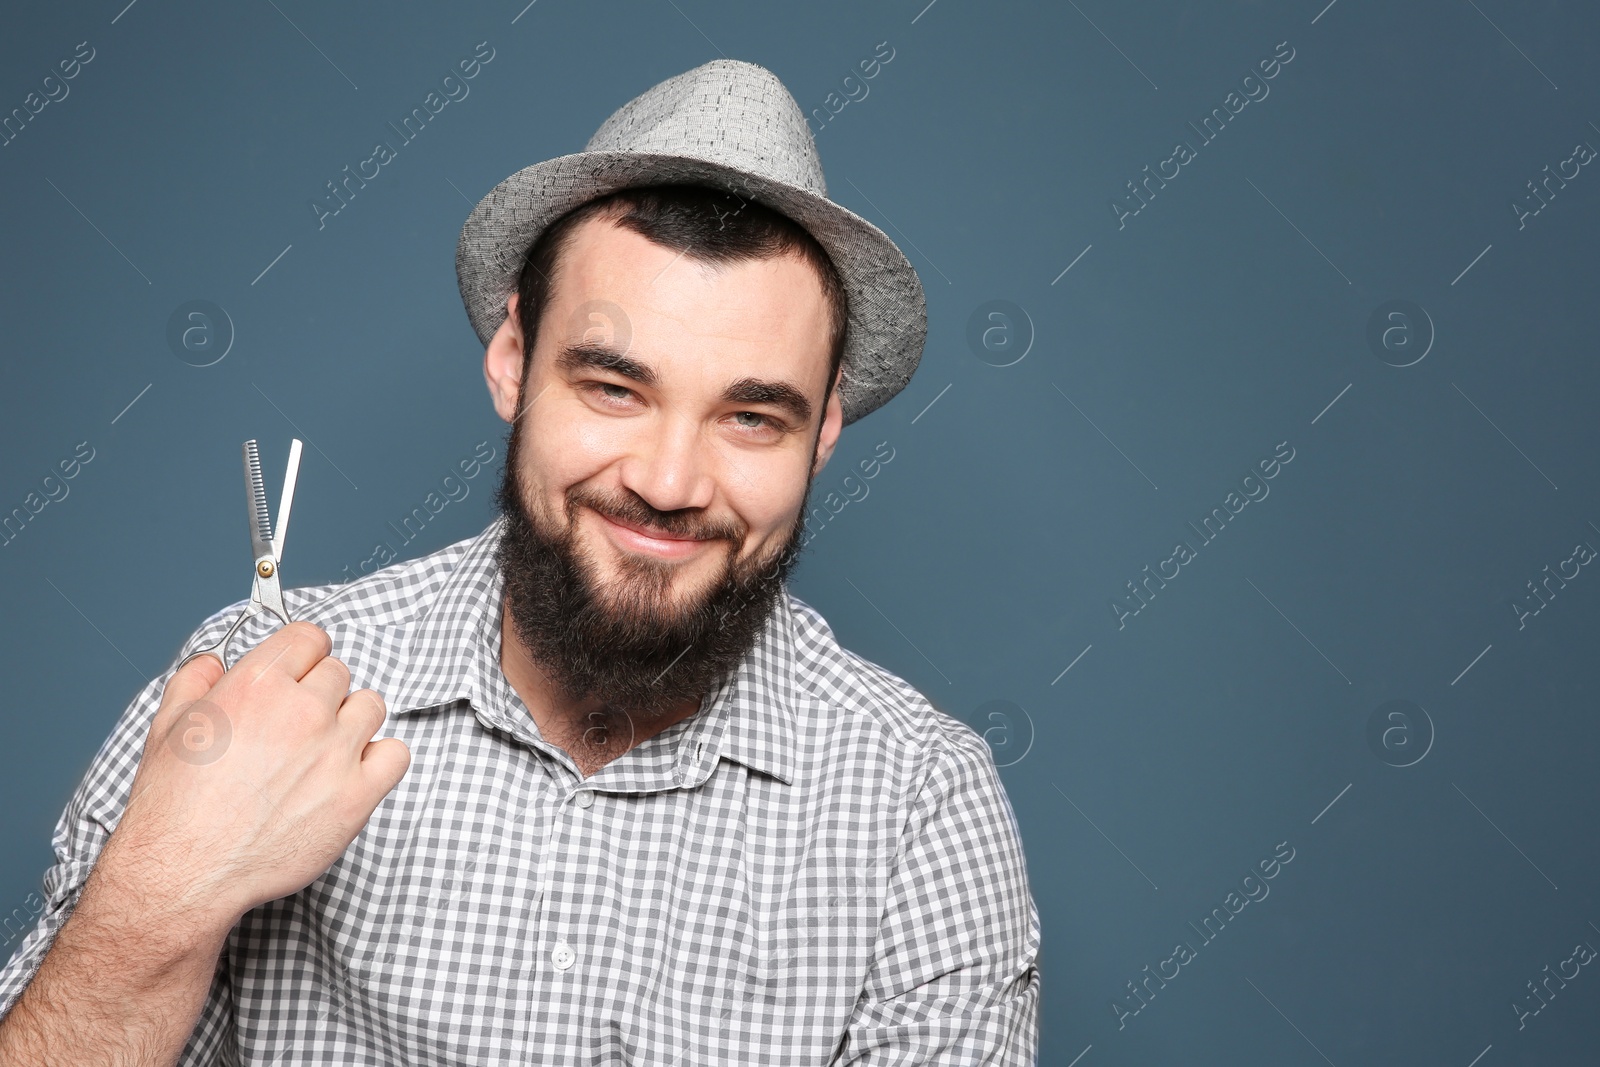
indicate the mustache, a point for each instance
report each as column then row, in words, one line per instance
column 630, row 508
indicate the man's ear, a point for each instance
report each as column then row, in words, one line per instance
column 832, row 423
column 502, row 363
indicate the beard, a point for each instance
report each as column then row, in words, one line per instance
column 631, row 654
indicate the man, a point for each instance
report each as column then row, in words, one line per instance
column 635, row 804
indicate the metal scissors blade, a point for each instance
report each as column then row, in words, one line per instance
column 263, row 539
column 266, row 544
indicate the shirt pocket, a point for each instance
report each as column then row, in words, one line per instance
column 824, row 925
column 781, row 965
column 434, row 914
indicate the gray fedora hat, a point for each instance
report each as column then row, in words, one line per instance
column 731, row 125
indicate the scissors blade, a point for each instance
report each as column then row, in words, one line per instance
column 256, row 496
column 287, row 499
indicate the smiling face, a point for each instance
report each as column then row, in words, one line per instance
column 667, row 437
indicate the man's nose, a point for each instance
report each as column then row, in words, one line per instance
column 671, row 464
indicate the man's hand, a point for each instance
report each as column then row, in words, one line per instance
column 252, row 781
column 251, row 784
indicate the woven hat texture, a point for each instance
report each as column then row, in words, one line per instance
column 730, row 125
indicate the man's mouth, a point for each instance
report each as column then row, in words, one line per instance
column 643, row 539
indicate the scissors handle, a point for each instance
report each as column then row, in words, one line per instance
column 252, row 609
column 220, row 649
column 267, row 589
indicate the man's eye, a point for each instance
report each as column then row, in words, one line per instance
column 761, row 420
column 623, row 392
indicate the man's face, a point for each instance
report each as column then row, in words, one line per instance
column 657, row 474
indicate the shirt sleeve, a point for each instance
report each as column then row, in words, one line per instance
column 86, row 824
column 954, row 978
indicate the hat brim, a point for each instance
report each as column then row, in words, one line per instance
column 888, row 318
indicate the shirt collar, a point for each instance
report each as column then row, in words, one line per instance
column 749, row 717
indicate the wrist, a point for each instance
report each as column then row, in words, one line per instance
column 170, row 917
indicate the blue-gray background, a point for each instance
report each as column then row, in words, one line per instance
column 1234, row 712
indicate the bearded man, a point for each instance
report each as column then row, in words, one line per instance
column 633, row 802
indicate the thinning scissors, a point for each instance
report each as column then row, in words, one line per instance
column 266, row 546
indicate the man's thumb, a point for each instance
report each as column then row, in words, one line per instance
column 192, row 681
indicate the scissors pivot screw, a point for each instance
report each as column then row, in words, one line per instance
column 266, row 546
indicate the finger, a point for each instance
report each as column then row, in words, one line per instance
column 189, row 683
column 329, row 680
column 195, row 678
column 360, row 716
column 291, row 650
column 383, row 764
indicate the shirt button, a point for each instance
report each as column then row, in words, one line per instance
column 563, row 956
column 584, row 797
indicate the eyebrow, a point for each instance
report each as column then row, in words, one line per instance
column 747, row 390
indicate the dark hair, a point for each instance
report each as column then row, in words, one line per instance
column 703, row 223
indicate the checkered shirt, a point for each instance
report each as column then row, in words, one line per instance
column 818, row 867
